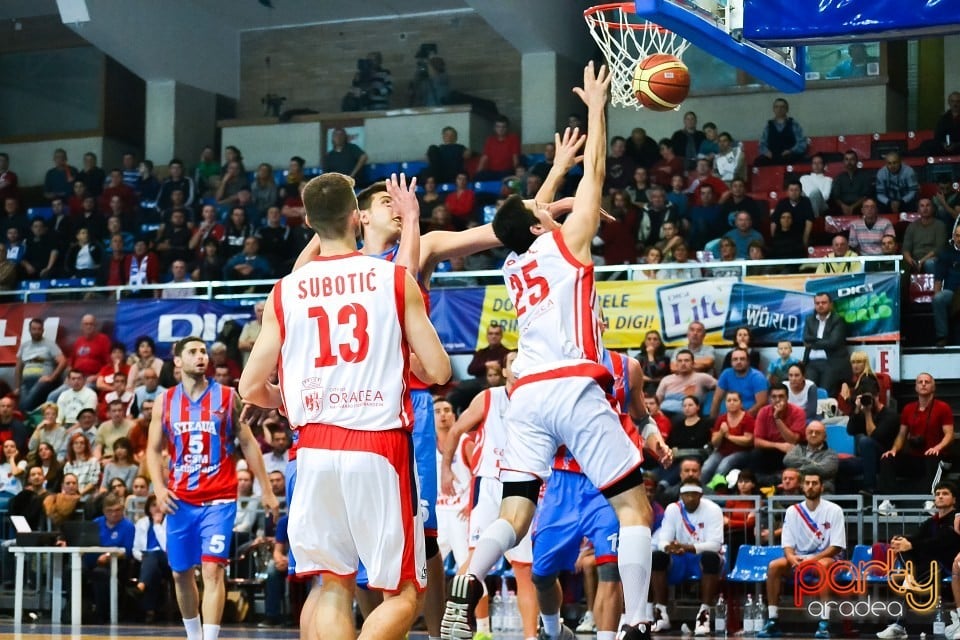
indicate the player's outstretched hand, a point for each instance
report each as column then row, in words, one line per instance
column 166, row 499
column 568, row 147
column 271, row 504
column 595, row 86
column 403, row 196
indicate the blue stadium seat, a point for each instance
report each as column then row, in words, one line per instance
column 492, row 187
column 280, row 176
column 839, row 440
column 413, row 167
column 381, row 170
column 707, row 403
column 752, row 563
column 534, row 158
column 447, row 187
column 822, row 394
column 40, row 212
column 861, row 553
column 312, row 172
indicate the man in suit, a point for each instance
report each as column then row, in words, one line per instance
column 825, row 339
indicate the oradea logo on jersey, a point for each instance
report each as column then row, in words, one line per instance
column 844, row 578
column 311, row 398
column 704, row 301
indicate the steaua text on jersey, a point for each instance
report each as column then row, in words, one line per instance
column 200, row 435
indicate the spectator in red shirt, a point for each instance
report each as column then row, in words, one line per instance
column 116, row 270
column 779, row 426
column 926, row 434
column 460, row 203
column 667, row 166
column 704, row 176
column 117, row 187
column 289, row 194
column 91, row 351
column 501, row 152
column 620, row 244
column 220, row 358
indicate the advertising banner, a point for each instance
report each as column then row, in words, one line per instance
column 167, row 321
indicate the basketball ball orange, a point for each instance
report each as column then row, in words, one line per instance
column 661, row 82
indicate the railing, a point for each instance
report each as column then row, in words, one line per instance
column 227, row 290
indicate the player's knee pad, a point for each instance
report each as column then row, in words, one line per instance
column 431, row 546
column 544, row 583
column 627, row 482
column 660, row 561
column 710, row 562
column 529, row 489
column 608, row 572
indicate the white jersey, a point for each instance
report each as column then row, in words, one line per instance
column 810, row 532
column 461, row 482
column 492, row 434
column 343, row 353
column 702, row 528
column 556, row 303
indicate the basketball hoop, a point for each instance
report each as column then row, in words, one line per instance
column 625, row 43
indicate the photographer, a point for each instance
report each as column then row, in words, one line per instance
column 431, row 85
column 372, row 86
column 925, row 438
column 875, row 428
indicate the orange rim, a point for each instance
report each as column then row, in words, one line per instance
column 625, row 7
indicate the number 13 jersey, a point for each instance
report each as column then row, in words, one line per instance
column 556, row 303
column 344, row 355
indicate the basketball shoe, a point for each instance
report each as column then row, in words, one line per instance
column 459, row 617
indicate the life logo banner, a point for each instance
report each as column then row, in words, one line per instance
column 771, row 315
column 704, row 301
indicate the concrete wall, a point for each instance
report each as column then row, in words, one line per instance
column 830, row 111
column 313, row 66
column 31, row 160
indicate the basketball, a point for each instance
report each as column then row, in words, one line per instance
column 661, row 82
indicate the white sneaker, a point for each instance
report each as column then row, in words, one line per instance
column 661, row 621
column 587, row 625
column 702, row 627
column 951, row 631
column 886, row 508
column 893, row 632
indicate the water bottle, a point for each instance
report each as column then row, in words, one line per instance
column 512, row 614
column 720, row 617
column 939, row 621
column 496, row 613
column 748, row 620
column 759, row 613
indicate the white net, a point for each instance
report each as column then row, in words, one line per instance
column 625, row 40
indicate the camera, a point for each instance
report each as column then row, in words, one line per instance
column 866, row 400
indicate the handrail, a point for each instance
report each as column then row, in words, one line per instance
column 209, row 286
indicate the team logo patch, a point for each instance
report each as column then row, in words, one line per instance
column 312, row 401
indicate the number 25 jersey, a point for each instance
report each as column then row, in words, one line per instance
column 344, row 354
column 556, row 303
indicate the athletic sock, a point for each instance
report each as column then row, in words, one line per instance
column 483, row 625
column 194, row 631
column 211, row 631
column 495, row 541
column 606, row 635
column 551, row 624
column 634, row 563
column 773, row 612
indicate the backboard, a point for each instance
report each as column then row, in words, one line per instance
column 716, row 27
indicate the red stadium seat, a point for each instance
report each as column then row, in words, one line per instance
column 751, row 149
column 767, row 178
column 822, row 144
column 917, row 138
column 819, row 251
column 859, row 143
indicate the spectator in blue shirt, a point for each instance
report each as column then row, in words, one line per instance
column 782, row 140
column 743, row 234
column 115, row 531
column 740, row 377
column 248, row 264
column 897, row 186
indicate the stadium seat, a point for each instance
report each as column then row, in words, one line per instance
column 862, row 553
column 312, row 172
column 751, row 149
column 413, row 167
column 40, row 212
column 819, row 251
column 917, row 138
column 822, row 144
column 280, row 176
column 752, row 561
column 493, row 187
column 446, row 187
column 381, row 170
column 858, row 143
column 921, row 288
column 767, row 179
column 839, row 440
